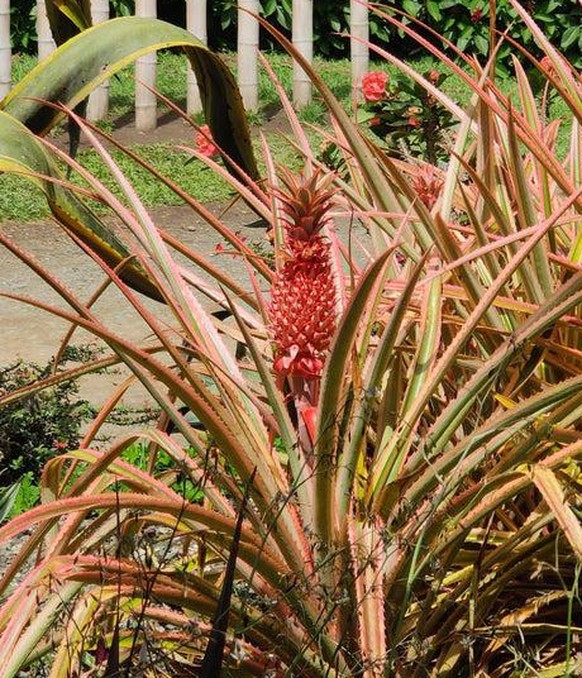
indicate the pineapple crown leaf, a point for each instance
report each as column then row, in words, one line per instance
column 305, row 202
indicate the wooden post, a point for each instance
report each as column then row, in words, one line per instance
column 46, row 44
column 247, row 53
column 302, row 34
column 99, row 99
column 145, row 76
column 5, row 49
column 359, row 51
column 196, row 24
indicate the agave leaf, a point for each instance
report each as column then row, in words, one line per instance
column 566, row 297
column 547, row 314
column 70, row 73
column 497, row 490
column 528, row 104
column 369, row 599
column 276, row 402
column 22, row 153
column 486, row 441
column 85, row 609
column 196, row 517
column 429, row 330
column 372, row 380
column 454, row 164
column 67, row 18
column 575, row 253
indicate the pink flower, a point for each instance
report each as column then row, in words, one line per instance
column 374, row 85
column 204, row 143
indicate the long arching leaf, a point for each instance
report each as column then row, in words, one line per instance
column 22, row 153
column 70, row 73
column 67, row 18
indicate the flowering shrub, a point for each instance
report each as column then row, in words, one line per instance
column 40, row 426
column 374, row 85
column 404, row 115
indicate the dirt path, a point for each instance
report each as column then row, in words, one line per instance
column 31, row 334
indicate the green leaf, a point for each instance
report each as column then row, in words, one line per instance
column 482, row 44
column 331, row 400
column 411, row 7
column 434, row 10
column 7, row 499
column 90, row 58
column 570, row 36
column 67, row 18
column 465, row 37
column 269, row 6
column 22, row 153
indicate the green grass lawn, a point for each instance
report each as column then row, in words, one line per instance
column 18, row 201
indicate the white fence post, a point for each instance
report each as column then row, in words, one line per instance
column 359, row 51
column 145, row 76
column 5, row 49
column 99, row 99
column 196, row 24
column 302, row 34
column 247, row 53
column 46, row 44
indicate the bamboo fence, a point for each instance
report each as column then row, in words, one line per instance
column 196, row 12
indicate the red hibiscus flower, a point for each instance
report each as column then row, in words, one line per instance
column 374, row 85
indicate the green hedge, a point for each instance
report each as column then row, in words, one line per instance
column 465, row 23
